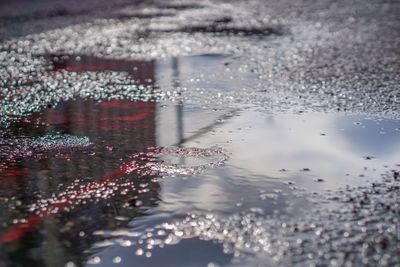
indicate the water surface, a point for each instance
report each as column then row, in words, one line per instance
column 118, row 181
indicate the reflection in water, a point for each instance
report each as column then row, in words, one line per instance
column 376, row 137
column 93, row 171
column 81, row 180
column 285, row 145
column 65, row 182
column 308, row 152
column 273, row 198
column 56, row 197
column 176, row 85
column 140, row 71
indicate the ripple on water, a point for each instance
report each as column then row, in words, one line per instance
column 141, row 165
column 323, row 236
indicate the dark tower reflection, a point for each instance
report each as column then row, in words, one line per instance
column 179, row 107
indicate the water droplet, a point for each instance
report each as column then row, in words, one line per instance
column 139, row 252
column 94, row 260
column 117, row 259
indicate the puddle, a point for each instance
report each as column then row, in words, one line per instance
column 98, row 79
column 274, row 170
column 110, row 175
column 295, row 189
column 141, row 71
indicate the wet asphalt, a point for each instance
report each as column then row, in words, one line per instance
column 199, row 133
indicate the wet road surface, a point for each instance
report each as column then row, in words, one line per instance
column 200, row 133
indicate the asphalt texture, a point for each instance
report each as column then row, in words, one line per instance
column 200, row 133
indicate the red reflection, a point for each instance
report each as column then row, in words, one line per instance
column 109, row 119
column 126, row 105
column 141, row 71
column 12, row 176
column 19, row 230
column 107, row 116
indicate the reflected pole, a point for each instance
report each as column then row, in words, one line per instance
column 179, row 107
